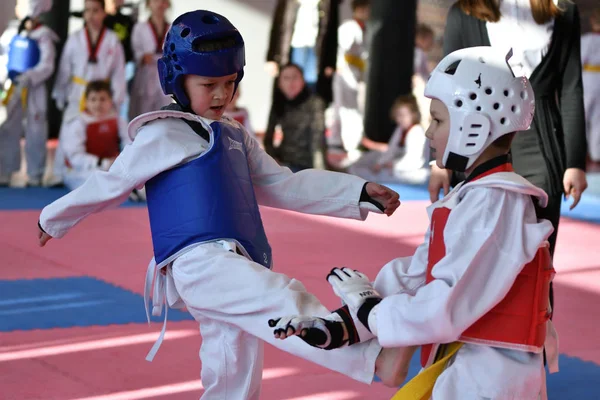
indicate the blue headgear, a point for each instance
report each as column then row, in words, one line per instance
column 183, row 54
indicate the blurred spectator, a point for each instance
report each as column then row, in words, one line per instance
column 304, row 32
column 406, row 157
column 147, row 40
column 590, row 58
column 349, row 82
column 300, row 114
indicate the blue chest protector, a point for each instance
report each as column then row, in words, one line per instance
column 23, row 54
column 206, row 199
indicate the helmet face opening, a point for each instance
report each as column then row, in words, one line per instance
column 200, row 43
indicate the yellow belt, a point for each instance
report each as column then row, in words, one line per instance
column 355, row 61
column 421, row 386
column 80, row 81
column 9, row 93
column 591, row 68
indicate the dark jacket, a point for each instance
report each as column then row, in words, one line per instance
column 282, row 29
column 557, row 139
column 302, row 121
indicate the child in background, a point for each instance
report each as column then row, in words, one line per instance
column 240, row 114
column 147, row 40
column 406, row 156
column 30, row 63
column 475, row 295
column 301, row 116
column 204, row 176
column 93, row 140
column 349, row 82
column 424, row 40
column 90, row 54
column 590, row 59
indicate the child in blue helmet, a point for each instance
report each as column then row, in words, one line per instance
column 204, row 177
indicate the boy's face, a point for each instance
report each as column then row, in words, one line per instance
column 424, row 42
column 291, row 82
column 404, row 117
column 439, row 130
column 209, row 96
column 98, row 104
column 158, row 7
column 362, row 13
column 93, row 14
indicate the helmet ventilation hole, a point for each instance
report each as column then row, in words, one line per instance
column 503, row 120
column 458, row 103
column 478, row 108
column 506, row 93
column 513, row 108
column 172, row 47
column 178, row 67
column 496, row 106
column 184, row 33
column 488, row 90
column 473, row 96
column 524, row 95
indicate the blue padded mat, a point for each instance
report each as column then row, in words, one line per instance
column 68, row 302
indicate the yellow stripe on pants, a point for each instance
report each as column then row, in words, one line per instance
column 421, row 386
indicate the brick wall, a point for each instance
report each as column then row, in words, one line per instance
column 433, row 13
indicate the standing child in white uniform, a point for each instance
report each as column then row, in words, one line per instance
column 31, row 55
column 590, row 59
column 147, row 42
column 405, row 158
column 90, row 54
column 349, row 81
column 475, row 295
column 93, row 140
column 204, row 176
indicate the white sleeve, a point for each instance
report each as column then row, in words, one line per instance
column 309, row 191
column 64, row 73
column 138, row 44
column 489, row 237
column 45, row 67
column 158, row 146
column 72, row 142
column 414, row 151
column 117, row 78
column 346, row 36
column 393, row 147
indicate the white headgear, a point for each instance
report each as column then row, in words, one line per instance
column 484, row 99
column 37, row 7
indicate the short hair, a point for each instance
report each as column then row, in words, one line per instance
column 359, row 4
column 102, row 3
column 409, row 101
column 595, row 16
column 504, row 142
column 98, row 86
column 424, row 30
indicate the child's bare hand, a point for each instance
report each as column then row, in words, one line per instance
column 43, row 237
column 389, row 199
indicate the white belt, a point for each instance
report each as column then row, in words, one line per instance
column 157, row 281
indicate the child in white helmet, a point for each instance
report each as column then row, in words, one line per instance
column 204, row 177
column 474, row 295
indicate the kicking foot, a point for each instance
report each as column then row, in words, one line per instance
column 392, row 365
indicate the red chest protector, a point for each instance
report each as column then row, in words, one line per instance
column 518, row 322
column 102, row 138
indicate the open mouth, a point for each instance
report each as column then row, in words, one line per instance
column 217, row 108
